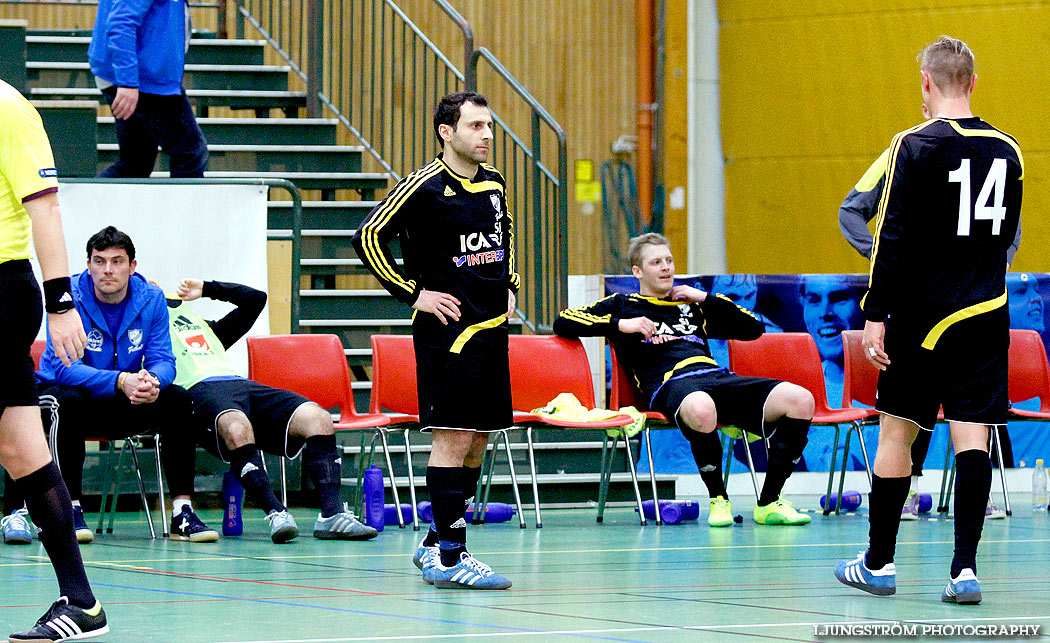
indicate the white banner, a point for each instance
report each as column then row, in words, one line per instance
column 210, row 232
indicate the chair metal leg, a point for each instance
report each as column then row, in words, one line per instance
column 942, row 499
column 831, row 472
column 513, row 478
column 1002, row 471
column 606, row 474
column 535, row 484
column 362, row 464
column 116, row 485
column 864, row 452
column 842, row 473
column 634, row 479
column 284, row 480
column 161, row 500
column 393, row 481
column 751, row 467
column 481, row 503
column 108, row 480
column 652, row 478
column 142, row 488
column 411, row 481
column 728, row 458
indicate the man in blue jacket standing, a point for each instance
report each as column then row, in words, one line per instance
column 138, row 49
column 123, row 384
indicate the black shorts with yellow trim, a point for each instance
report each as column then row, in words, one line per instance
column 465, row 386
column 739, row 400
column 21, row 310
column 965, row 372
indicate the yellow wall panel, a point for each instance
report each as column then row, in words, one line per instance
column 812, row 93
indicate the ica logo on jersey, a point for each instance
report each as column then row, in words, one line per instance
column 476, row 241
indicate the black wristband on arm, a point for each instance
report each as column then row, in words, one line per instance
column 58, row 295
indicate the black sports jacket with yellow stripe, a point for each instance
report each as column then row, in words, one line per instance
column 678, row 347
column 456, row 237
column 948, row 212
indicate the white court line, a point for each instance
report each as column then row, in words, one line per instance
column 628, row 630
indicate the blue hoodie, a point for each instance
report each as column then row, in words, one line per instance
column 140, row 43
column 143, row 340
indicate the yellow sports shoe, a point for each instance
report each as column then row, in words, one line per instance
column 779, row 513
column 721, row 513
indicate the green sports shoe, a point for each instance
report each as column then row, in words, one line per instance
column 721, row 513
column 779, row 513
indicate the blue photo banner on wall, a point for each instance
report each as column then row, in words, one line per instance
column 824, row 305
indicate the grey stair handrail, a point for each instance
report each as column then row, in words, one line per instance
column 285, row 184
column 549, row 293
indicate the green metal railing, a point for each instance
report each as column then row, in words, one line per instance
column 369, row 65
column 282, row 184
column 538, row 195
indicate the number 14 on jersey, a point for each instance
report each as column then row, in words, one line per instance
column 991, row 191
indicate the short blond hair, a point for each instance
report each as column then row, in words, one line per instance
column 950, row 64
column 637, row 245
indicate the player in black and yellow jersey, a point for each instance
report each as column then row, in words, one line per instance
column 661, row 335
column 29, row 204
column 858, row 208
column 457, row 240
column 937, row 322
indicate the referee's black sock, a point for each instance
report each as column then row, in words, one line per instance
column 324, row 465
column 49, row 505
column 445, row 485
column 470, row 476
column 887, row 499
column 785, row 450
column 246, row 463
column 973, row 481
column 707, row 452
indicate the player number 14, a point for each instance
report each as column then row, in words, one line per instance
column 994, row 182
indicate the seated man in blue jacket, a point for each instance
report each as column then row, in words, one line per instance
column 123, row 384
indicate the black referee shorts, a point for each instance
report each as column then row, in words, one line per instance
column 21, row 311
column 469, row 390
column 966, row 372
column 739, row 400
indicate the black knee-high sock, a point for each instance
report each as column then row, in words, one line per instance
column 324, row 465
column 13, row 500
column 49, row 504
column 246, row 463
column 445, row 485
column 919, row 448
column 887, row 500
column 707, row 452
column 973, row 481
column 785, row 450
column 470, row 477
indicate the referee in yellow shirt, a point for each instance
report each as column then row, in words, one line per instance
column 29, row 203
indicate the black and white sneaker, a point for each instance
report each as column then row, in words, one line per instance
column 65, row 622
column 187, row 526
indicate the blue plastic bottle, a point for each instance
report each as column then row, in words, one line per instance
column 374, row 498
column 232, row 495
column 850, row 501
column 425, row 511
column 925, row 502
column 390, row 514
column 672, row 512
column 494, row 512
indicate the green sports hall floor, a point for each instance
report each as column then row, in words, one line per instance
column 573, row 580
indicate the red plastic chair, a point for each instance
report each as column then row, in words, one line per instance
column 1029, row 374
column 861, row 384
column 793, row 357
column 543, row 367
column 36, row 350
column 314, row 366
